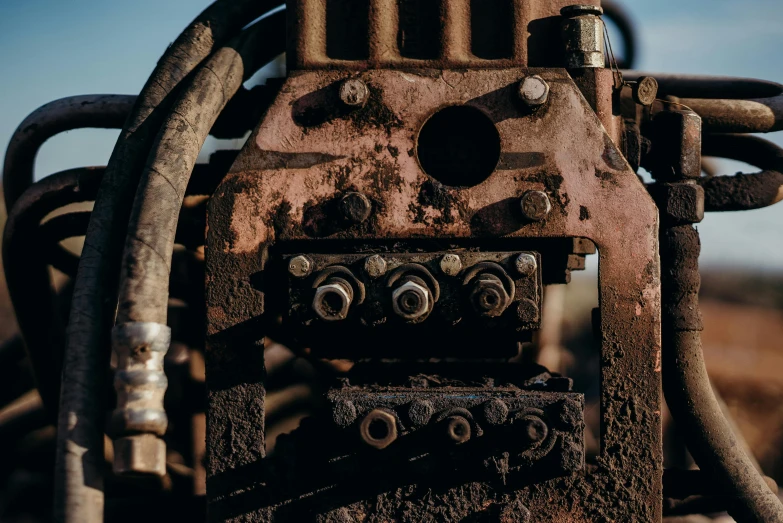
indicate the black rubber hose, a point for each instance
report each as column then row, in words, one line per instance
column 743, row 192
column 103, row 111
column 80, row 463
column 619, row 16
column 27, row 274
column 151, row 232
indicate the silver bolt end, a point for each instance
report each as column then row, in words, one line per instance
column 533, row 91
column 526, row 264
column 332, row 301
column 451, row 265
column 375, row 266
column 411, row 301
column 536, row 205
column 354, row 92
column 300, row 267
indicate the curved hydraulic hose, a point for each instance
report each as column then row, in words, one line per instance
column 79, row 467
column 150, row 238
column 686, row 385
column 144, row 287
column 27, row 273
column 743, row 191
column 618, row 15
column 75, row 112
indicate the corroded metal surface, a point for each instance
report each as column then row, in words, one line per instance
column 309, row 151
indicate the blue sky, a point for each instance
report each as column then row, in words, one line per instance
column 51, row 49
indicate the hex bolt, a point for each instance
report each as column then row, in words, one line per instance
column 354, row 92
column 378, row 429
column 535, row 205
column 489, row 298
column 526, row 264
column 332, row 300
column 458, row 429
column 533, row 91
column 411, row 301
column 451, row 265
column 375, row 266
column 355, row 207
column 300, row 267
column 645, row 90
column 534, row 429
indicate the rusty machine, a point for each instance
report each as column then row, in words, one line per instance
column 405, row 196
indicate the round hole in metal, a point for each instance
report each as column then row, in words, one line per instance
column 459, row 146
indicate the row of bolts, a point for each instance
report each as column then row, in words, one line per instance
column 411, row 299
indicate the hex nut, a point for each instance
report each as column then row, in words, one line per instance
column 451, row 264
column 378, row 429
column 140, row 455
column 489, row 297
column 581, row 10
column 526, row 264
column 300, row 267
column 533, row 91
column 534, row 429
column 411, row 301
column 354, row 92
column 375, row 266
column 458, row 429
column 355, row 207
column 332, row 300
column 535, row 205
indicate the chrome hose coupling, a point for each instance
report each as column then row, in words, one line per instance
column 140, row 420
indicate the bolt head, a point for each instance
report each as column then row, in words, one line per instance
column 411, row 301
column 534, row 429
column 495, row 411
column 375, row 266
column 489, row 297
column 451, row 265
column 533, row 91
column 140, row 455
column 526, row 264
column 300, row 267
column 645, row 91
column 344, row 413
column 332, row 301
column 536, row 205
column 355, row 207
column 354, row 92
column 420, row 412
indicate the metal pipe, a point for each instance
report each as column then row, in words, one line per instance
column 101, row 111
column 760, row 115
column 708, row 87
column 743, row 191
column 79, row 468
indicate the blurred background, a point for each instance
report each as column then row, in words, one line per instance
column 52, row 49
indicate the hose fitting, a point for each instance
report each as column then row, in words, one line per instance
column 140, row 419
